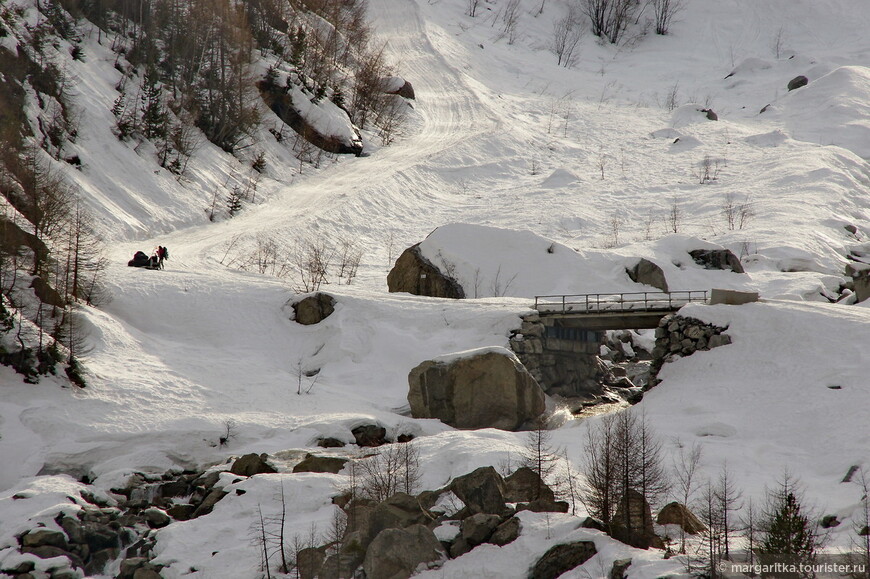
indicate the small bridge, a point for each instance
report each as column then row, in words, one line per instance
column 631, row 310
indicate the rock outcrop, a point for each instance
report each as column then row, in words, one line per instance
column 488, row 388
column 281, row 104
column 415, row 274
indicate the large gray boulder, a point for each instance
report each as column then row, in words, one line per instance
column 678, row 514
column 415, row 274
column 562, row 558
column 482, row 490
column 397, row 553
column 488, row 388
column 525, row 486
column 633, row 523
column 313, row 309
column 251, row 464
column 646, row 272
column 717, row 259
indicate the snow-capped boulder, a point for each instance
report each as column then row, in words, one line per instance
column 483, row 388
column 415, row 274
column 399, row 86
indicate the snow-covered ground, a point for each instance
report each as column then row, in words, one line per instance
column 588, row 157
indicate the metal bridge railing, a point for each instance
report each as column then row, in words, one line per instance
column 620, row 302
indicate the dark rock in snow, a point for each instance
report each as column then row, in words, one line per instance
column 798, row 82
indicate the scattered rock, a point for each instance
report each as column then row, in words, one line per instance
column 49, row 552
column 717, row 259
column 545, row 506
column 313, row 309
column 482, row 491
column 415, row 274
column 562, row 558
column 593, row 523
column 313, row 463
column 477, row 529
column 712, row 116
column 144, row 573
column 851, row 229
column 330, row 443
column 397, row 512
column 507, row 532
column 181, row 512
column 251, row 464
column 524, row 486
column 490, row 389
column 398, row 553
column 129, row 566
column 678, row 514
column 156, row 518
column 620, row 566
column 370, row 435
column 829, row 521
column 43, row 538
column 864, row 531
column 798, row 82
column 210, row 501
column 646, row 272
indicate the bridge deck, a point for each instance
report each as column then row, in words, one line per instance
column 626, row 302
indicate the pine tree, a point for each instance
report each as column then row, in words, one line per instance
column 153, row 112
column 788, row 535
column 789, row 530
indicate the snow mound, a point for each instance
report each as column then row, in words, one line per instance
column 833, row 110
column 495, row 262
column 771, row 139
column 489, row 261
column 561, row 177
column 689, row 114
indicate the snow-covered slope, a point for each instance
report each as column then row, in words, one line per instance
column 589, row 157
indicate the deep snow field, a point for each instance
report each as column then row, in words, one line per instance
column 588, row 157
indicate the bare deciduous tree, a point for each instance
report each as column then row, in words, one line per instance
column 685, row 467
column 567, row 34
column 393, row 468
column 664, row 12
column 539, row 455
